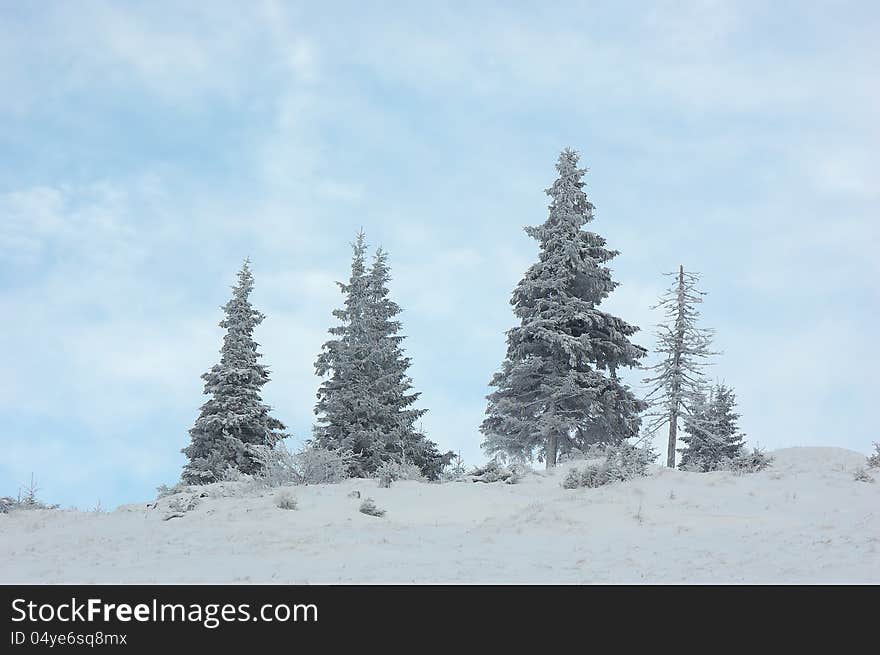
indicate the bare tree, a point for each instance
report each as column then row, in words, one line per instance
column 678, row 378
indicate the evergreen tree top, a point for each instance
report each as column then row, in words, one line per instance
column 559, row 295
column 569, row 207
column 355, row 291
column 240, row 319
column 380, row 304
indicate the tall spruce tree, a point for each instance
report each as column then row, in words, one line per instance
column 685, row 347
column 340, row 411
column 391, row 399
column 366, row 402
column 558, row 387
column 234, row 417
column 711, row 433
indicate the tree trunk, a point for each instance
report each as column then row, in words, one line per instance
column 676, row 382
column 673, row 433
column 550, row 455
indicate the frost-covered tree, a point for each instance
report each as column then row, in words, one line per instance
column 558, row 388
column 391, row 411
column 685, row 348
column 234, row 417
column 365, row 404
column 340, row 396
column 711, row 434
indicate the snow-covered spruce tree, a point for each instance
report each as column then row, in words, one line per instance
column 558, row 387
column 366, row 403
column 685, row 347
column 712, row 437
column 234, row 417
column 390, row 408
column 340, row 408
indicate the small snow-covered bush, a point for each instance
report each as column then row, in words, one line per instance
column 286, row 500
column 164, row 490
column 593, row 451
column 750, row 462
column 184, row 503
column 625, row 461
column 621, row 462
column 454, row 471
column 393, row 471
column 369, row 507
column 743, row 463
column 593, row 475
column 232, row 474
column 494, row 471
column 322, row 466
column 8, row 504
column 874, row 459
column 27, row 499
column 694, row 466
column 280, row 467
column 277, row 466
column 861, row 475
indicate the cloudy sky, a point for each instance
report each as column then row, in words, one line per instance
column 146, row 149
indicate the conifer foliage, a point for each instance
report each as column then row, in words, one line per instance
column 678, row 378
column 712, row 438
column 366, row 403
column 558, row 387
column 390, row 387
column 341, row 360
column 234, row 417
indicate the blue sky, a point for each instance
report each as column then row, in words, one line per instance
column 146, row 149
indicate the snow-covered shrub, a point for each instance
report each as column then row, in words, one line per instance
column 861, row 475
column 494, row 471
column 620, row 462
column 27, row 499
column 454, row 471
column 592, row 451
column 276, row 465
column 743, row 463
column 232, row 474
column 322, row 466
column 874, row 459
column 184, row 503
column 286, row 500
column 593, row 475
column 279, row 467
column 164, row 490
column 389, row 472
column 625, row 461
column 750, row 462
column 693, row 466
column 369, row 507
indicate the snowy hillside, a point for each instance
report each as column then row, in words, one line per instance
column 803, row 520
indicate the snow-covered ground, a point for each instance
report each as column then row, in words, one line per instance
column 803, row 520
